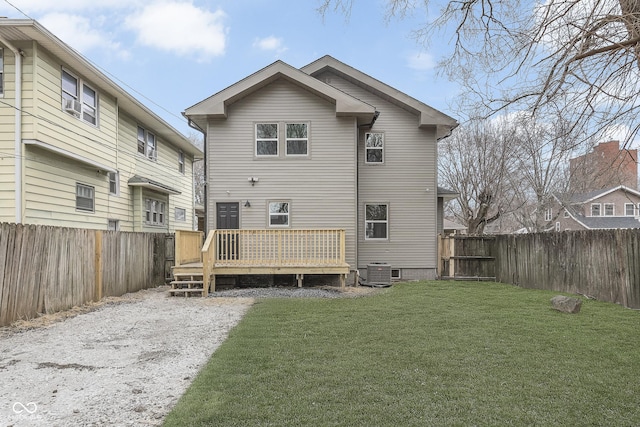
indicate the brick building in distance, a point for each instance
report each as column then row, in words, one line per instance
column 607, row 166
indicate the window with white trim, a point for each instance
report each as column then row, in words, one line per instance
column 629, row 209
column 114, row 183
column 595, row 209
column 297, row 139
column 154, row 212
column 278, row 214
column 609, row 209
column 376, row 222
column 548, row 214
column 374, row 147
column 557, row 226
column 565, row 213
column 85, row 197
column 113, row 225
column 180, row 214
column 181, row 162
column 147, row 144
column 267, row 139
column 79, row 99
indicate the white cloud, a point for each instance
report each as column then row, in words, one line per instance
column 182, row 28
column 420, row 61
column 79, row 32
column 270, row 43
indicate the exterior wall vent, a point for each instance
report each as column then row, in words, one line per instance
column 379, row 273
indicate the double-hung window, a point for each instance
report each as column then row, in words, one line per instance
column 278, row 214
column 629, row 209
column 297, row 140
column 181, row 162
column 374, row 148
column 266, row 139
column 85, row 197
column 376, row 221
column 154, row 212
column 79, row 99
column 609, row 209
column 548, row 214
column 114, row 187
column 595, row 209
column 147, row 144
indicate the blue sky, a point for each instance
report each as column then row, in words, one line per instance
column 171, row 54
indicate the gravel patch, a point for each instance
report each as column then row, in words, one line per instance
column 123, row 361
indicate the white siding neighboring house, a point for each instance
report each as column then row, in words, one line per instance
column 79, row 151
column 327, row 146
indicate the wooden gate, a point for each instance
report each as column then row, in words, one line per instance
column 466, row 257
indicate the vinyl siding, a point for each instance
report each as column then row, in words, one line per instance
column 7, row 138
column 409, row 169
column 321, row 189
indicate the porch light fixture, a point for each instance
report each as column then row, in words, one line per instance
column 253, row 180
column 247, row 204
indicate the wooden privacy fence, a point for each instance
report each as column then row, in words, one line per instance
column 604, row 264
column 466, row 257
column 47, row 269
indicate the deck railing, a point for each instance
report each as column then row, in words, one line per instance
column 188, row 246
column 304, row 247
column 208, row 261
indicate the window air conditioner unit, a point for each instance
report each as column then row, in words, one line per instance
column 379, row 273
column 72, row 106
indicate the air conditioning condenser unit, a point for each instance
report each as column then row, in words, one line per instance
column 379, row 273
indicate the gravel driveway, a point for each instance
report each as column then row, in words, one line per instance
column 122, row 362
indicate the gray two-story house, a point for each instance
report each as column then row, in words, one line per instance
column 326, row 147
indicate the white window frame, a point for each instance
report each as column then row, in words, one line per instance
column 113, row 224
column 396, row 273
column 299, row 139
column 114, row 183
column 548, row 214
column 558, row 226
column 367, row 148
column 273, row 214
column 271, row 139
column 90, row 195
column 369, row 224
column 180, row 214
column 613, row 209
column 155, row 212
column 149, row 141
column 599, row 209
column 565, row 213
column 181, row 162
column 78, row 103
column 626, row 209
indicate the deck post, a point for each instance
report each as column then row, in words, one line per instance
column 299, row 278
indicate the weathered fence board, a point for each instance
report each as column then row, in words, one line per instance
column 47, row 269
column 603, row 264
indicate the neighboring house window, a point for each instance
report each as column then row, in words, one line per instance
column 114, row 188
column 154, row 212
column 79, row 99
column 609, row 209
column 85, row 196
column 376, row 221
column 548, row 214
column 297, row 140
column 557, row 226
column 595, row 209
column 1, row 72
column 266, row 139
column 278, row 214
column 566, row 213
column 147, row 143
column 113, row 225
column 629, row 209
column 181, row 214
column 181, row 162
column 374, row 147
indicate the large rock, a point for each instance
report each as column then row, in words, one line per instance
column 566, row 304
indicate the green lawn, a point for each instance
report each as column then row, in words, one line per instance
column 422, row 354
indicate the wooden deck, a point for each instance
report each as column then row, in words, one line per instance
column 240, row 252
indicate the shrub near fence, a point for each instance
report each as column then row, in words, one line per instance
column 604, row 264
column 47, row 269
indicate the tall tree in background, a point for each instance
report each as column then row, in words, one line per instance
column 580, row 56
column 199, row 176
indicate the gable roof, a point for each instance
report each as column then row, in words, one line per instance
column 427, row 116
column 15, row 30
column 596, row 194
column 216, row 105
column 607, row 222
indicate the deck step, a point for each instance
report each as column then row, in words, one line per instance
column 186, row 282
column 185, row 292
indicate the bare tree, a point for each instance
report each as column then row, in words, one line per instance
column 199, row 175
column 581, row 56
column 476, row 162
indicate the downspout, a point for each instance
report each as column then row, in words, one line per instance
column 18, row 128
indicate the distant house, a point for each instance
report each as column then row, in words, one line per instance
column 607, row 166
column 327, row 146
column 617, row 207
column 79, row 151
